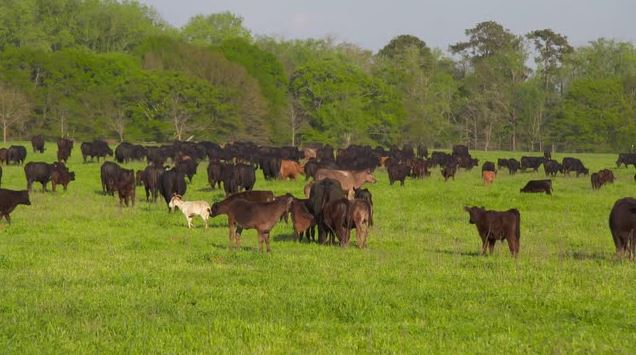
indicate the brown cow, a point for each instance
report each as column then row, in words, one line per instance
column 290, row 169
column 302, row 220
column 488, row 177
column 126, row 187
column 360, row 215
column 622, row 223
column 495, row 225
column 261, row 216
column 349, row 180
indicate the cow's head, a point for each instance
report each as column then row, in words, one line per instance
column 368, row 176
column 474, row 213
column 23, row 198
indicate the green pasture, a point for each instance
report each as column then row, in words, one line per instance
column 80, row 274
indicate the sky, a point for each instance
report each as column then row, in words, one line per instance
column 372, row 23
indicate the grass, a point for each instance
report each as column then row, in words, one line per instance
column 79, row 274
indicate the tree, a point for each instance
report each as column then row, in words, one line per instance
column 552, row 49
column 214, row 29
column 14, row 108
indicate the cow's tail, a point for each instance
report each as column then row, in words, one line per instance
column 518, row 224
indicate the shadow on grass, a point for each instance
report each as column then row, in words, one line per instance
column 586, row 255
column 285, row 238
column 454, row 252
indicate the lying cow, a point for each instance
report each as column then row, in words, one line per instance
column 538, row 186
column 495, row 225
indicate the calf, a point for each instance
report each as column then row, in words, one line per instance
column 261, row 216
column 191, row 208
column 37, row 142
column 449, row 171
column 3, row 156
column 488, row 166
column 126, row 187
column 61, row 176
column 601, row 178
column 336, row 220
column 290, row 169
column 419, row 168
column 513, row 166
column 302, row 220
column 538, row 186
column 9, row 199
column 109, row 173
column 496, row 225
column 622, row 223
column 359, row 215
column 488, row 177
column 552, row 167
column 151, row 179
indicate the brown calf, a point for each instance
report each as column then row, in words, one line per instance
column 488, row 177
column 495, row 225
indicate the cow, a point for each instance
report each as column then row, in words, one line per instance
column 538, row 186
column 37, row 142
column 64, row 148
column 246, row 176
column 348, row 179
column 422, row 151
column 302, row 220
column 335, row 218
column 126, row 187
column 574, row 164
column 601, row 178
column 43, row 173
column 16, row 154
column 3, row 156
column 96, row 148
column 214, row 174
column 360, row 217
column 531, row 163
column 172, row 182
column 449, row 171
column 10, row 199
column 622, row 223
column 187, row 166
column 488, row 166
column 440, row 159
column 502, row 163
column 398, row 172
column 126, row 152
column 109, row 174
column 513, row 166
column 626, row 159
column 488, row 177
column 496, row 225
column 322, row 192
column 261, row 216
column 419, row 168
column 290, row 169
column 596, row 181
column 552, row 167
column 61, row 176
column 151, row 179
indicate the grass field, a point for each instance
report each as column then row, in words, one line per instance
column 79, row 274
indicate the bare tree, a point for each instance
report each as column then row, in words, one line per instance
column 178, row 115
column 14, row 108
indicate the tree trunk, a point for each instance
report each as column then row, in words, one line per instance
column 4, row 132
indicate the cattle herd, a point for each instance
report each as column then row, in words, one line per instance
column 335, row 201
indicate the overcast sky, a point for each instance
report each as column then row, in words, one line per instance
column 372, row 23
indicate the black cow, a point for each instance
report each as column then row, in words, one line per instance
column 246, row 176
column 574, row 164
column 126, row 152
column 488, row 166
column 151, row 179
column 502, row 163
column 37, row 172
column 188, row 166
column 496, row 225
column 513, row 166
column 37, row 142
column 215, row 169
column 16, row 154
column 109, row 174
column 321, row 194
column 552, row 167
column 626, row 159
column 440, row 159
column 449, row 171
column 622, row 223
column 398, row 172
column 96, row 148
column 9, row 199
column 538, row 186
column 172, row 182
column 64, row 148
column 531, row 163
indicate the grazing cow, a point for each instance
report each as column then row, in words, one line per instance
column 419, row 168
column 547, row 155
column 16, row 154
column 61, row 176
column 271, row 167
column 449, row 171
column 188, row 166
column 37, row 142
column 552, row 167
column 622, row 223
column 261, row 216
column 596, row 181
column 172, row 182
column 126, row 152
column 191, row 209
column 302, row 220
column 538, row 186
column 398, row 172
column 348, row 179
column 440, row 159
column 626, row 159
column 290, row 169
column 96, row 148
column 601, row 178
column 109, row 174
column 43, row 173
column 64, row 148
column 126, row 187
column 3, row 156
column 574, row 164
column 488, row 177
column 531, row 163
column 488, row 166
column 502, row 163
column 9, row 199
column 496, row 225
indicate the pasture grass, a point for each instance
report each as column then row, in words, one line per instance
column 79, row 274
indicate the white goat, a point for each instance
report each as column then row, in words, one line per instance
column 191, row 208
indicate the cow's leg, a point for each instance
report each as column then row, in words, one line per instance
column 53, row 186
column 6, row 216
column 266, row 236
column 491, row 245
column 189, row 218
column 261, row 239
column 205, row 219
column 484, row 245
column 512, row 245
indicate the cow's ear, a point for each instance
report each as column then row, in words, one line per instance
column 466, row 208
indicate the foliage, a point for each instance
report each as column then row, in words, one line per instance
column 215, row 28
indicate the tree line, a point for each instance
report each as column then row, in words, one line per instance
column 114, row 69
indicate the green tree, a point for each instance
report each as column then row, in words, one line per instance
column 214, row 28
